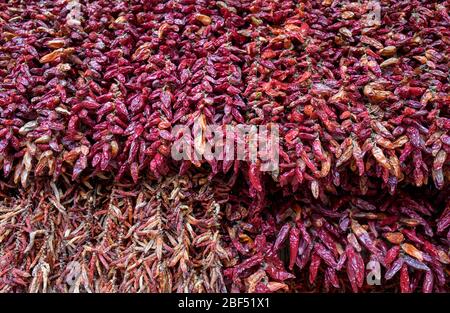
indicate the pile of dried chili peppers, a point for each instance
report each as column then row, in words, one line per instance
column 91, row 199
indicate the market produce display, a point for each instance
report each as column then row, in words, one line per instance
column 92, row 200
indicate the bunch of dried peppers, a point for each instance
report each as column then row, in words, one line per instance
column 91, row 200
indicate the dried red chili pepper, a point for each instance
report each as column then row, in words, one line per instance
column 294, row 241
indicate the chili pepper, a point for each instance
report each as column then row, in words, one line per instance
column 314, row 267
column 428, row 282
column 278, row 274
column 325, row 255
column 391, row 255
column 355, row 268
column 294, row 241
column 281, row 237
column 405, row 284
